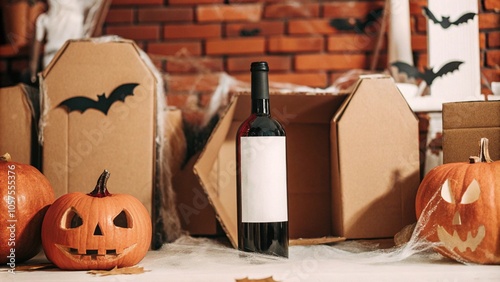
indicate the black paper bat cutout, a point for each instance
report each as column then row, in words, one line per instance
column 349, row 24
column 428, row 75
column 81, row 103
column 445, row 21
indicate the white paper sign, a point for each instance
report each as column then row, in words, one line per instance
column 453, row 35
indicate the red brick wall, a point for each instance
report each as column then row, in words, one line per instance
column 294, row 37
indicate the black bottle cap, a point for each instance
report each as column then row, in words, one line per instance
column 259, row 66
column 260, row 84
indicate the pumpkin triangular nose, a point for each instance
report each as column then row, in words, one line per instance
column 456, row 219
column 97, row 231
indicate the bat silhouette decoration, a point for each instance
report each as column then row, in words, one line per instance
column 359, row 26
column 103, row 103
column 428, row 75
column 445, row 21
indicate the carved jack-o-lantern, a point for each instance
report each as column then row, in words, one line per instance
column 461, row 206
column 98, row 230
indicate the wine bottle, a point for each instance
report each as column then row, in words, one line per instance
column 261, row 174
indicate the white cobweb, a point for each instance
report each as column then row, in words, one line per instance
column 211, row 258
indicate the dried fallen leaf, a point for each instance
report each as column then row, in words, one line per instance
column 119, row 271
column 267, row 279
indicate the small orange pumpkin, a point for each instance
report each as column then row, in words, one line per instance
column 98, row 230
column 26, row 195
column 461, row 206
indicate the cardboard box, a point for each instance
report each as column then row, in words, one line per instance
column 464, row 124
column 353, row 161
column 16, row 124
column 78, row 144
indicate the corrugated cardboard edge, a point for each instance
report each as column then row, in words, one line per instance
column 163, row 194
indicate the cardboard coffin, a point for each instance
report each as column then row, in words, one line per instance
column 83, row 137
column 353, row 161
column 464, row 124
column 16, row 123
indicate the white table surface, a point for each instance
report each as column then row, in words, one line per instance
column 203, row 259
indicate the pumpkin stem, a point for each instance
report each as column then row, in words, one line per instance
column 100, row 189
column 5, row 157
column 484, row 154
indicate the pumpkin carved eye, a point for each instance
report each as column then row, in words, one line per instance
column 472, row 193
column 71, row 219
column 470, row 196
column 123, row 220
column 446, row 192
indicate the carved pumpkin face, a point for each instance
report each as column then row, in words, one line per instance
column 461, row 204
column 96, row 230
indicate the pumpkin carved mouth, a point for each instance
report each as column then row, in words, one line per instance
column 93, row 254
column 452, row 241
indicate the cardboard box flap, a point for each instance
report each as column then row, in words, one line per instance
column 294, row 107
column 464, row 124
column 203, row 168
column 476, row 114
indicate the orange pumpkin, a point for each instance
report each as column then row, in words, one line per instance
column 460, row 203
column 26, row 195
column 98, row 230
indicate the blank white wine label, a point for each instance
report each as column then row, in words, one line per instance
column 263, row 179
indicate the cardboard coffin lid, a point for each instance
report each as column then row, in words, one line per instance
column 122, row 141
column 15, row 124
column 464, row 124
column 375, row 161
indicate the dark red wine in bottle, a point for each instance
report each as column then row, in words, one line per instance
column 261, row 174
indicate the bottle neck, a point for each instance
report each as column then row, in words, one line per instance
column 260, row 91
